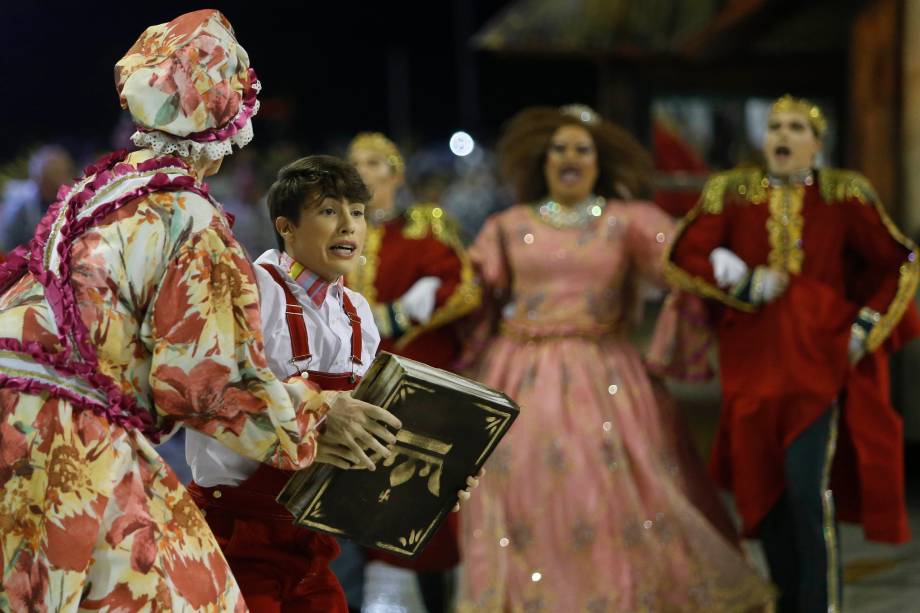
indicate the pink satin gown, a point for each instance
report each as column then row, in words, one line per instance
column 596, row 500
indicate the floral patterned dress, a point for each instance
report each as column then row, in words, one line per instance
column 595, row 501
column 132, row 311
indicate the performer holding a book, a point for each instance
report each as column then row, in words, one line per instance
column 318, row 329
column 313, row 327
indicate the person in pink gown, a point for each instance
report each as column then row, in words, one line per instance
column 596, row 500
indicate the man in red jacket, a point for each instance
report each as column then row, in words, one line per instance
column 811, row 278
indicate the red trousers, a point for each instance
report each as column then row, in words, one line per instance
column 280, row 567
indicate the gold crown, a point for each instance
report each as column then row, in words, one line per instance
column 581, row 112
column 790, row 104
column 375, row 141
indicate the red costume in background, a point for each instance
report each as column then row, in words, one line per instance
column 681, row 169
column 784, row 363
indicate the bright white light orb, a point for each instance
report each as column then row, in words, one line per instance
column 462, row 144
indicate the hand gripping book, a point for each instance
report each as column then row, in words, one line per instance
column 451, row 425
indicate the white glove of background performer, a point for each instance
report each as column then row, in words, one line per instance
column 418, row 303
column 727, row 268
column 768, row 284
column 857, row 346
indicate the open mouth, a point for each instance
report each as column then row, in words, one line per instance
column 570, row 175
column 344, row 249
column 782, row 153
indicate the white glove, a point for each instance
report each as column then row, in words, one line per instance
column 727, row 268
column 857, row 346
column 418, row 303
column 768, row 284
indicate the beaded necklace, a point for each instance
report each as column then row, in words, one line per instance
column 575, row 216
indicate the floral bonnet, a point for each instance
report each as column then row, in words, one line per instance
column 189, row 87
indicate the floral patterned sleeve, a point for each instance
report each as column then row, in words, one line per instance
column 209, row 370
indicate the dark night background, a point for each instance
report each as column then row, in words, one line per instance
column 328, row 69
column 411, row 69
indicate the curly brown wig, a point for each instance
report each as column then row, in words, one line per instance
column 624, row 167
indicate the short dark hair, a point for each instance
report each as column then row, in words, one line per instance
column 310, row 180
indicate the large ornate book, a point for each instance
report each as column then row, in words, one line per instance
column 450, row 426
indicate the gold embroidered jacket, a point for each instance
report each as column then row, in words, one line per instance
column 423, row 242
column 830, row 227
column 785, row 362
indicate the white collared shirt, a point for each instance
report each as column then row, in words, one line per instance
column 329, row 331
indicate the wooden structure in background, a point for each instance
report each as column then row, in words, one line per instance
column 874, row 117
column 847, row 51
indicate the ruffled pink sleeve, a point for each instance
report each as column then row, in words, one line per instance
column 682, row 339
column 490, row 260
column 649, row 232
column 489, row 255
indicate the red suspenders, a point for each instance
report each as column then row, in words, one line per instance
column 355, row 320
column 293, row 314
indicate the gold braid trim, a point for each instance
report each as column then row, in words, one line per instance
column 748, row 184
column 382, row 319
column 829, row 515
column 423, row 220
column 364, row 278
column 909, row 276
column 784, row 228
column 697, row 285
column 839, row 185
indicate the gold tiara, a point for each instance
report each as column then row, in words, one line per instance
column 581, row 112
column 791, row 104
column 375, row 141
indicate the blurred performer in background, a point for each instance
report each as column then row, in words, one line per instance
column 419, row 281
column 811, row 277
column 25, row 202
column 593, row 500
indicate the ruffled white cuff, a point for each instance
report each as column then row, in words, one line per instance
column 162, row 143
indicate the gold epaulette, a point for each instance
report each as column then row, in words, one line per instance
column 423, row 220
column 427, row 219
column 838, row 185
column 748, row 184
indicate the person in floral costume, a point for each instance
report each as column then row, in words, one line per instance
column 131, row 312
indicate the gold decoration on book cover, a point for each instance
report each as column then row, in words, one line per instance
column 450, row 427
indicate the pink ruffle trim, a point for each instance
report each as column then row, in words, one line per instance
column 122, row 408
column 112, row 412
column 682, row 340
